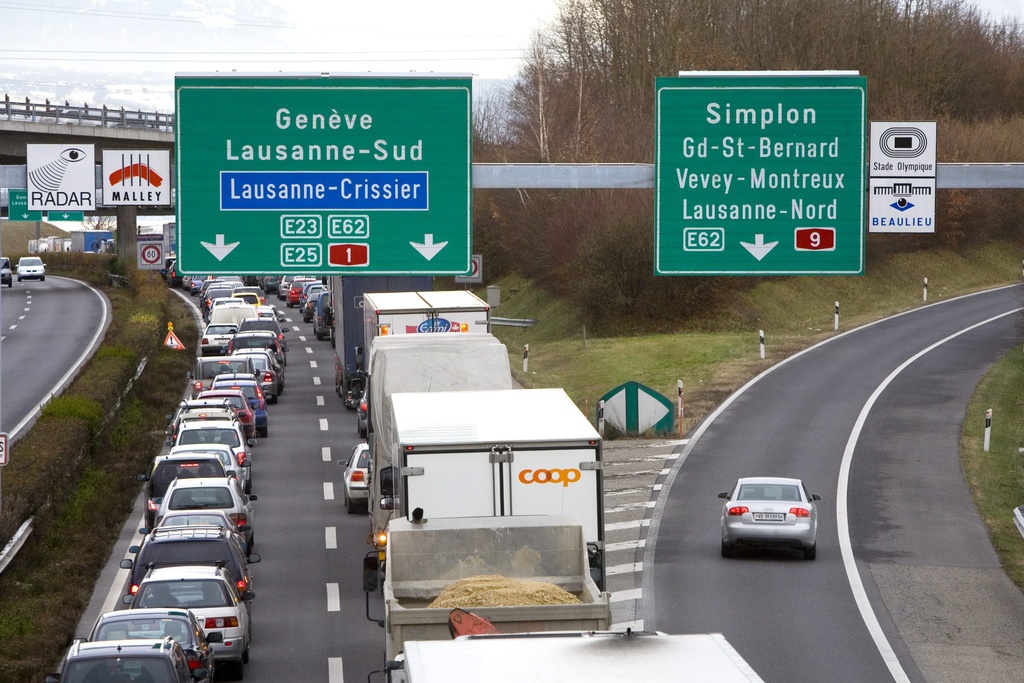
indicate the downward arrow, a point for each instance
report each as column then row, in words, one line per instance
column 218, row 248
column 758, row 249
column 428, row 249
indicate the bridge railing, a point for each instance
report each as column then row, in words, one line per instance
column 47, row 112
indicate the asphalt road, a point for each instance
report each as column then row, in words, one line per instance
column 48, row 330
column 906, row 585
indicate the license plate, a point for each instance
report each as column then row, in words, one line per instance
column 769, row 517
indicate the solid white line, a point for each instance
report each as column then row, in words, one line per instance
column 331, row 537
column 335, row 670
column 328, row 490
column 323, row 424
column 312, row 363
column 632, row 524
column 333, row 598
column 316, row 381
column 616, row 570
column 325, row 453
column 843, row 523
column 319, row 400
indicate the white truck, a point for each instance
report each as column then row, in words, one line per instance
column 501, row 454
column 605, row 657
column 428, row 556
column 421, row 362
column 459, row 311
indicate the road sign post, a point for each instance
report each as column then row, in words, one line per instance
column 324, row 175
column 760, row 174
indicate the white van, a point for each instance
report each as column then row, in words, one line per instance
column 231, row 315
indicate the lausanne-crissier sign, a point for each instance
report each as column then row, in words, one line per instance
column 760, row 174
column 324, row 175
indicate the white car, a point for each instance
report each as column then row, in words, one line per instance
column 770, row 512
column 357, row 495
column 210, row 593
column 216, row 337
column 228, row 433
column 227, row 455
column 219, row 493
column 31, row 268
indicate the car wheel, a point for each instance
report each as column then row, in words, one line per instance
column 248, row 487
column 319, row 337
column 263, row 432
column 251, row 544
column 350, row 508
column 42, row 279
column 245, row 656
column 237, row 670
column 273, row 398
column 811, row 553
column 727, row 551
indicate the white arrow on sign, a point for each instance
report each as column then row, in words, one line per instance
column 758, row 249
column 428, row 249
column 218, row 248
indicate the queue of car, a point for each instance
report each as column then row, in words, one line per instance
column 187, row 613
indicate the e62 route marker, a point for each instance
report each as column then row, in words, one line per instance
column 324, row 175
column 760, row 173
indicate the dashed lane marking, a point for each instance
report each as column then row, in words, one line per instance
column 325, row 453
column 331, row 537
column 333, row 598
column 328, row 490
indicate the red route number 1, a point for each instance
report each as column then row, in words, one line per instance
column 815, row 239
column 357, row 254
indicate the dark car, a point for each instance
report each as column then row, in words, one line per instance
column 323, row 316
column 160, row 622
column 167, row 468
column 264, row 324
column 126, row 661
column 270, row 283
column 6, row 276
column 176, row 546
column 174, row 277
column 259, row 339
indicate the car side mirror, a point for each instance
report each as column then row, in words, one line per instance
column 253, row 558
column 143, row 531
column 134, row 549
column 244, row 528
column 253, row 497
column 215, row 637
column 188, row 375
column 343, row 463
column 126, row 599
column 250, row 442
column 815, row 496
column 388, row 503
column 126, row 564
column 246, row 464
column 248, row 595
column 142, row 477
column 724, row 494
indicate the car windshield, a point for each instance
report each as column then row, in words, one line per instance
column 786, row 492
column 221, row 435
column 267, row 324
column 200, row 498
column 221, row 329
column 253, row 343
column 120, row 668
column 168, row 471
column 224, row 367
column 261, row 362
column 31, row 261
column 237, row 401
column 146, row 628
column 195, row 519
column 184, row 594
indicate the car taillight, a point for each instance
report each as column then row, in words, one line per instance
column 198, row 386
column 241, row 457
column 799, row 512
column 134, row 589
column 738, row 510
column 152, row 505
column 239, row 519
column 193, row 661
column 267, row 377
column 357, row 476
column 240, row 585
column 205, row 341
column 221, row 622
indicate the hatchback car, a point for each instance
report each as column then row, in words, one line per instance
column 202, row 518
column 259, row 339
column 228, row 457
column 156, row 624
column 6, row 277
column 264, row 323
column 218, row 433
column 206, row 369
column 271, row 373
column 240, row 402
column 199, row 409
column 295, row 290
column 212, row 493
column 167, row 468
column 253, row 391
column 769, row 512
column 215, row 338
column 357, row 469
column 31, row 268
column 213, row 596
column 126, row 661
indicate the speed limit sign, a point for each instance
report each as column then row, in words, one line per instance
column 151, row 256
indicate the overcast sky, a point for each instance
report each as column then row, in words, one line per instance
column 126, row 52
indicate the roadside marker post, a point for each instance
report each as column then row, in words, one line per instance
column 679, row 390
column 762, row 344
column 925, row 296
column 835, row 325
column 988, row 429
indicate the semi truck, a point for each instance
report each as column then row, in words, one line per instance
column 91, row 241
column 347, row 337
column 420, row 363
column 501, row 454
column 593, row 657
column 429, row 555
column 424, row 312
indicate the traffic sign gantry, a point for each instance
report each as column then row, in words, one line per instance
column 760, row 173
column 325, row 175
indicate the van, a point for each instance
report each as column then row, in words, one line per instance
column 323, row 316
column 231, row 315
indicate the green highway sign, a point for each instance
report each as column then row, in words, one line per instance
column 17, row 206
column 760, row 174
column 324, row 175
column 65, row 216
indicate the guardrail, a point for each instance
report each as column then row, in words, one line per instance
column 47, row 112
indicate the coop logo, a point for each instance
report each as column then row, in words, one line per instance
column 563, row 477
column 136, row 177
column 61, row 177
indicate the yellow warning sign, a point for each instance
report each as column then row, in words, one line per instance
column 172, row 341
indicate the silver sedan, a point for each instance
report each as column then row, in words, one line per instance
column 769, row 511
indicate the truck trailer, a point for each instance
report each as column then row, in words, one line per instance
column 429, row 555
column 350, row 347
column 500, row 454
column 596, row 657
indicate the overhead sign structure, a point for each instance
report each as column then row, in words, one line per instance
column 760, row 173
column 324, row 175
column 902, row 177
column 61, row 177
column 17, row 206
column 136, row 177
